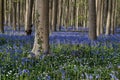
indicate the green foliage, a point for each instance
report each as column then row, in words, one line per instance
column 69, row 62
column 2, row 41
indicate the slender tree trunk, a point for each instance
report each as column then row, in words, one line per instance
column 59, row 14
column 14, row 15
column 28, row 17
column 76, row 14
column 98, row 9
column 50, row 16
column 72, row 13
column 63, row 13
column 5, row 11
column 92, row 20
column 22, row 8
column 10, row 13
column 68, row 14
column 108, row 24
column 85, row 14
column 2, row 16
column 102, row 17
column 113, row 17
column 18, row 14
column 115, row 20
column 54, row 15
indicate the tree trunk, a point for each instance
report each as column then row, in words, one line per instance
column 41, row 43
column 28, row 17
column 59, row 13
column 5, row 12
column 10, row 13
column 102, row 17
column 113, row 17
column 98, row 11
column 54, row 15
column 92, row 20
column 108, row 24
column 50, row 16
column 76, row 14
column 18, row 15
column 14, row 15
column 2, row 16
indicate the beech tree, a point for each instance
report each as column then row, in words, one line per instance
column 2, row 16
column 113, row 21
column 18, row 14
column 76, row 13
column 28, row 17
column 54, row 15
column 14, row 7
column 10, row 13
column 41, row 42
column 109, row 14
column 92, row 19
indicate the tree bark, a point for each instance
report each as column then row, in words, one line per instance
column 18, row 15
column 108, row 22
column 28, row 17
column 14, row 15
column 2, row 16
column 92, row 20
column 41, row 43
column 54, row 15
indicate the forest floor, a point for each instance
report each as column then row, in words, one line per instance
column 76, row 57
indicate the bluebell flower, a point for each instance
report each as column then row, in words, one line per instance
column 48, row 77
column 24, row 71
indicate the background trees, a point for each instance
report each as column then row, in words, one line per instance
column 102, row 18
column 74, row 12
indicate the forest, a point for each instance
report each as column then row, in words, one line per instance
column 59, row 40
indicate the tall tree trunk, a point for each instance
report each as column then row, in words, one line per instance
column 2, row 16
column 5, row 12
column 72, row 13
column 50, row 16
column 54, row 15
column 76, row 14
column 92, row 20
column 18, row 15
column 108, row 24
column 10, row 13
column 85, row 14
column 14, row 14
column 22, row 8
column 102, row 17
column 113, row 17
column 41, row 43
column 59, row 14
column 98, row 11
column 28, row 17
